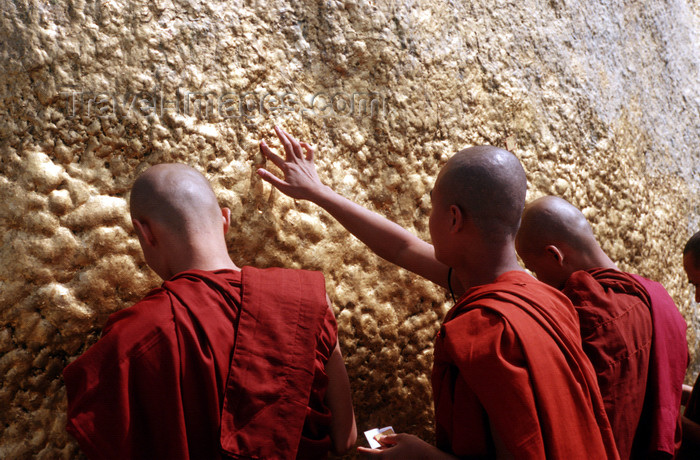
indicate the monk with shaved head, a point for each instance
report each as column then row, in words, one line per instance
column 691, row 263
column 219, row 362
column 631, row 329
column 555, row 240
column 690, row 448
column 178, row 221
column 510, row 378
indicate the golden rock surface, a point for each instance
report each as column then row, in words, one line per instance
column 601, row 103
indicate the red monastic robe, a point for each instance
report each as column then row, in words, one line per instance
column 616, row 329
column 211, row 365
column 659, row 432
column 508, row 356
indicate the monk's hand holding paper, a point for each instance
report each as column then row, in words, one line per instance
column 300, row 178
column 404, row 446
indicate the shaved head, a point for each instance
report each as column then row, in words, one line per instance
column 489, row 184
column 692, row 248
column 176, row 196
column 178, row 221
column 691, row 263
column 553, row 220
column 555, row 240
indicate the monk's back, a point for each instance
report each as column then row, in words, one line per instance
column 508, row 357
column 616, row 330
column 155, row 385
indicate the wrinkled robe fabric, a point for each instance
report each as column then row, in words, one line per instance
column 660, row 430
column 210, row 365
column 616, row 329
column 508, row 358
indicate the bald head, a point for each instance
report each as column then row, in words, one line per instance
column 555, row 240
column 553, row 220
column 489, row 184
column 177, row 197
column 178, row 221
column 691, row 263
column 692, row 249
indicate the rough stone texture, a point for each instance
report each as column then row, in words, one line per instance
column 600, row 100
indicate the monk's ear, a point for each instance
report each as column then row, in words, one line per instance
column 457, row 218
column 226, row 216
column 554, row 253
column 143, row 230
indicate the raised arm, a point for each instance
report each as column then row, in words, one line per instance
column 387, row 239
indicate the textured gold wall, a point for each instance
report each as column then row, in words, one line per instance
column 600, row 102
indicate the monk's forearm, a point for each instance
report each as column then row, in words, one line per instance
column 405, row 446
column 339, row 401
column 385, row 238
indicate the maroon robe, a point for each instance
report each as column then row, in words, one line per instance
column 211, row 365
column 616, row 330
column 509, row 356
column 659, row 433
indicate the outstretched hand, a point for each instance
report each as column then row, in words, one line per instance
column 387, row 239
column 300, row 178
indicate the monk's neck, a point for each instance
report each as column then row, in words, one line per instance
column 206, row 257
column 212, row 265
column 596, row 259
column 484, row 269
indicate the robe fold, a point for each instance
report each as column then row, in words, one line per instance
column 660, row 428
column 508, row 357
column 616, row 329
column 210, row 365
